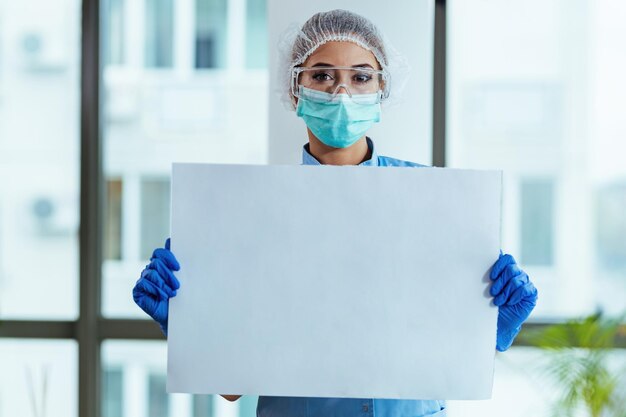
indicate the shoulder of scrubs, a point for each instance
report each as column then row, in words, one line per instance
column 375, row 160
column 386, row 161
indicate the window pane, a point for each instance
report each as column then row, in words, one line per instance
column 113, row 220
column 155, row 214
column 256, row 34
column 38, row 378
column 211, row 33
column 537, row 222
column 158, row 404
column 215, row 112
column 39, row 158
column 136, row 386
column 523, row 388
column 159, row 30
column 540, row 96
column 112, row 399
column 611, row 221
column 113, row 39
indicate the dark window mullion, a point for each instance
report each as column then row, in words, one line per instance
column 37, row 329
column 439, row 85
column 91, row 199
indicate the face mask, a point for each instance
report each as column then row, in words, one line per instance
column 339, row 120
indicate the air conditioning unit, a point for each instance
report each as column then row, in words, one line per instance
column 43, row 51
column 55, row 216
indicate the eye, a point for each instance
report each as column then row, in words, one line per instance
column 322, row 76
column 362, row 77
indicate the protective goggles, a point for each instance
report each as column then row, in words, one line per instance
column 352, row 81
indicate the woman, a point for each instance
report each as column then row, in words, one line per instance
column 338, row 77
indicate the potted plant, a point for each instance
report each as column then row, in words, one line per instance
column 576, row 358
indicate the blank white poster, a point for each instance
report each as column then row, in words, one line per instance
column 333, row 281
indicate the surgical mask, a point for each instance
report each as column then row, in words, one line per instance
column 338, row 120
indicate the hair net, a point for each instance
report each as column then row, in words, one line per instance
column 298, row 43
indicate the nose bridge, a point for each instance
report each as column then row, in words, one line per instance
column 344, row 79
column 346, row 90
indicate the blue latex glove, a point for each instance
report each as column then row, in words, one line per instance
column 157, row 284
column 515, row 297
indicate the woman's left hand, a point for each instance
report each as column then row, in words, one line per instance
column 515, row 297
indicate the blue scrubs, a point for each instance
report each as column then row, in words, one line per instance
column 350, row 407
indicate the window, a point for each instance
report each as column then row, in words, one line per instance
column 113, row 41
column 39, row 154
column 155, row 214
column 159, row 48
column 158, row 403
column 135, row 374
column 537, row 225
column 154, row 118
column 256, row 34
column 113, row 389
column 611, row 227
column 521, row 373
column 113, row 222
column 211, row 33
column 38, row 378
column 538, row 95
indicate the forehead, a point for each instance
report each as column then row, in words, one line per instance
column 342, row 54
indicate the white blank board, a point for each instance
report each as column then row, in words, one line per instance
column 333, row 281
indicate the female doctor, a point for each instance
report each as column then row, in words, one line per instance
column 338, row 75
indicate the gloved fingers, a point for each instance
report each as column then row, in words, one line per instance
column 513, row 284
column 150, row 281
column 528, row 303
column 526, row 291
column 510, row 271
column 167, row 256
column 166, row 274
column 155, row 278
column 146, row 288
column 500, row 264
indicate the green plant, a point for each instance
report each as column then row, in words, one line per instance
column 575, row 358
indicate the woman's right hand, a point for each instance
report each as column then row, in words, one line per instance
column 157, row 284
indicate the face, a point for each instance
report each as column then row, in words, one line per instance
column 341, row 54
column 333, row 126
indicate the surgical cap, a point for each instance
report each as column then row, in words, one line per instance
column 299, row 43
column 337, row 25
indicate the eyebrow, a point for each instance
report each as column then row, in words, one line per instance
column 323, row 64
